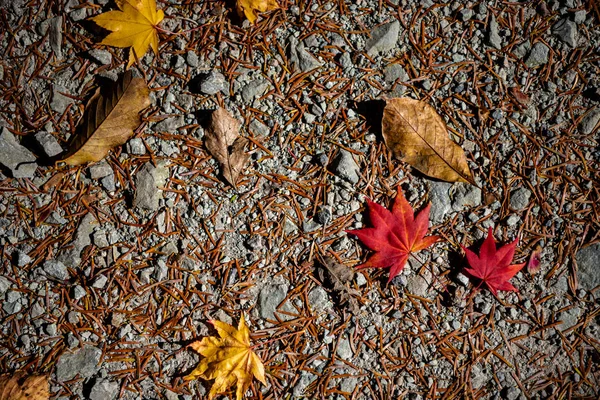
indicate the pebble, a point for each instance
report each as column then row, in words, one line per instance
column 538, row 55
column 466, row 14
column 48, row 143
column 149, row 179
column 59, row 101
column 494, row 38
column 212, row 83
column 513, row 220
column 588, row 260
column 439, row 197
column 465, row 195
column 345, row 166
column 100, row 170
column 254, row 90
column 21, row 259
column 104, row 390
column 83, row 362
column 78, row 292
column 192, row 59
column 301, row 58
column 100, row 56
column 566, row 31
column 569, row 318
column 324, row 215
column 136, row 146
column 19, row 160
column 53, row 26
column 100, row 282
column 394, row 72
column 519, row 199
column 344, row 351
column 55, row 269
column 269, row 299
column 590, row 121
column 580, row 16
column 383, row 38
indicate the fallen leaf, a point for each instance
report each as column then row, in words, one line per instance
column 395, row 234
column 519, row 96
column 228, row 359
column 338, row 277
column 224, row 143
column 492, row 266
column 108, row 121
column 417, row 135
column 24, row 386
column 134, row 26
column 251, row 8
column 535, row 260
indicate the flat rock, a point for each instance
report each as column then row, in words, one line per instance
column 100, row 56
column 345, row 166
column 254, row 89
column 19, row 160
column 269, row 299
column 394, row 72
column 104, row 390
column 48, row 143
column 149, row 179
column 59, row 102
column 566, row 31
column 100, row 170
column 494, row 38
column 538, row 55
column 590, row 121
column 588, row 266
column 519, row 199
column 301, row 58
column 55, row 269
column 83, row 362
column 212, row 83
column 465, row 195
column 439, row 197
column 383, row 38
column 81, row 239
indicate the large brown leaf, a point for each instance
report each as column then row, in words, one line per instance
column 22, row 386
column 417, row 135
column 108, row 121
column 224, row 143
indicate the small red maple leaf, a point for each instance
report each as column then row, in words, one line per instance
column 395, row 234
column 492, row 266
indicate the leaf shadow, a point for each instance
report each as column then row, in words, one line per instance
column 372, row 111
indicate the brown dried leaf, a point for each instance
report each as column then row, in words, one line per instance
column 519, row 96
column 224, row 143
column 23, row 386
column 108, row 121
column 417, row 135
column 338, row 277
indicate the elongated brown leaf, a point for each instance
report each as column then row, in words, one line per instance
column 22, row 386
column 417, row 135
column 108, row 121
column 224, row 143
column 338, row 277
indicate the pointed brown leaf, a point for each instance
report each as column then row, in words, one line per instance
column 224, row 143
column 417, row 135
column 108, row 121
column 23, row 386
column 338, row 277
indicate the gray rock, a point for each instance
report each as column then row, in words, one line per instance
column 301, row 58
column 538, row 55
column 419, row 284
column 79, row 292
column 569, row 318
column 59, row 101
column 19, row 160
column 566, row 31
column 522, row 49
column 53, row 27
column 136, row 146
column 439, row 196
column 100, row 282
column 99, row 239
column 72, row 341
column 345, row 166
column 104, row 390
column 149, row 180
column 192, row 59
column 465, row 195
column 48, row 143
column 346, row 62
column 5, row 284
column 579, row 16
column 55, row 269
column 306, row 378
column 83, row 362
column 466, row 14
column 513, row 220
column 259, row 128
column 519, row 199
column 12, row 308
column 213, row 83
column 494, row 38
column 170, row 124
column 324, row 215
column 82, row 239
column 588, row 270
column 589, row 122
column 383, row 38
column 344, row 351
column 100, row 56
column 254, row 89
column 269, row 299
column 100, row 170
column 21, row 258
column 108, row 183
column 393, row 72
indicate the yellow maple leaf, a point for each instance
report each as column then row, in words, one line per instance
column 134, row 26
column 251, row 8
column 228, row 359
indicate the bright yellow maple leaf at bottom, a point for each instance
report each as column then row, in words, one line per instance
column 251, row 8
column 228, row 359
column 134, row 26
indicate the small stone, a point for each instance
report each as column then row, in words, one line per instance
column 566, row 31
column 108, row 183
column 149, row 181
column 83, row 362
column 394, row 72
column 192, row 59
column 212, row 83
column 538, row 55
column 269, row 299
column 259, row 128
column 465, row 196
column 136, row 146
column 519, row 199
column 55, row 269
column 51, row 329
column 5, row 284
column 513, row 220
column 255, row 243
column 466, row 14
column 99, row 239
column 346, row 62
column 383, row 38
column 419, row 284
column 21, row 259
column 72, row 341
column 590, row 121
column 324, row 215
column 54, row 28
column 322, row 159
column 48, row 143
column 462, row 279
column 360, row 279
column 579, row 16
column 494, row 38
column 439, row 196
column 100, row 56
column 100, row 282
column 170, row 124
column 104, row 390
column 301, row 58
column 73, row 317
column 588, row 260
column 100, row 170
column 12, row 308
column 522, row 49
column 254, row 90
column 59, row 102
column 344, row 351
column 161, row 271
column 78, row 292
column 345, row 166
column 569, row 318
column 19, row 160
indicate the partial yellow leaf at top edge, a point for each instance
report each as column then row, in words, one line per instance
column 251, row 8
column 134, row 26
column 24, row 386
column 228, row 360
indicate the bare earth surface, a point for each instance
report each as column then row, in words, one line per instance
column 108, row 271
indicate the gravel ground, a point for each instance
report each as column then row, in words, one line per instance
column 108, row 271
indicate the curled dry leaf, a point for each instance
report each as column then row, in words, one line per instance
column 224, row 143
column 108, row 121
column 535, row 260
column 338, row 278
column 417, row 135
column 251, row 8
column 23, row 386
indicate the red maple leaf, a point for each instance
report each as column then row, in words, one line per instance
column 395, row 235
column 492, row 266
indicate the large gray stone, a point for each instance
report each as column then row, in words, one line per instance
column 439, row 197
column 589, row 122
column 566, row 31
column 588, row 266
column 213, row 83
column 104, row 390
column 55, row 269
column 494, row 38
column 254, row 89
column 301, row 58
column 149, row 181
column 19, row 160
column 538, row 55
column 519, row 199
column 83, row 362
column 48, row 143
column 383, row 38
column 345, row 166
column 269, row 299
